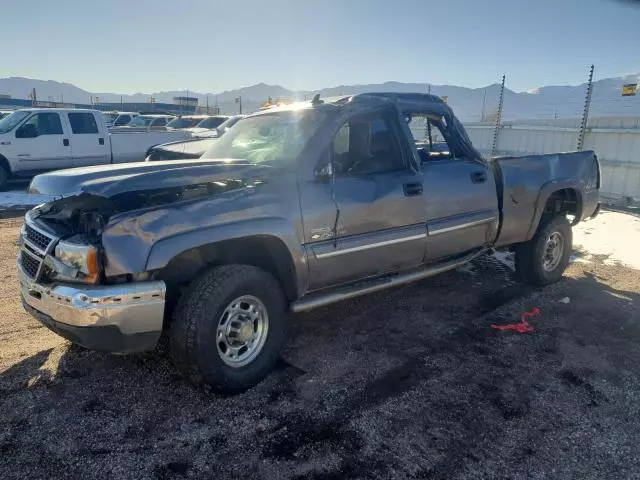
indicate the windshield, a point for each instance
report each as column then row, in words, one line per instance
column 9, row 122
column 183, row 122
column 211, row 122
column 275, row 138
column 140, row 121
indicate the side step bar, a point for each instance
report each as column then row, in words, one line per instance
column 379, row 283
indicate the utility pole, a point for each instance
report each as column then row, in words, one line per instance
column 484, row 103
column 429, row 89
column 494, row 147
column 239, row 101
column 121, row 104
column 585, row 112
column 207, row 97
column 62, row 99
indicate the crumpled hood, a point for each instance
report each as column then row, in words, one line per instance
column 110, row 180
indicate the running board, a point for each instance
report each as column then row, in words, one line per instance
column 379, row 283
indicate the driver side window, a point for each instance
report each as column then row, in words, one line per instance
column 366, row 145
column 44, row 124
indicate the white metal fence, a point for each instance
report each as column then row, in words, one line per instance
column 616, row 141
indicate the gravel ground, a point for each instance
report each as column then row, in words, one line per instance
column 409, row 383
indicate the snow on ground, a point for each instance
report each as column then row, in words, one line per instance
column 19, row 198
column 613, row 237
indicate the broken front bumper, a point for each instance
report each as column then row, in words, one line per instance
column 121, row 318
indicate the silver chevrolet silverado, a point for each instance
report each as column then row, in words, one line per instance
column 294, row 208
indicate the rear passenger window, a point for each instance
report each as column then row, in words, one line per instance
column 83, row 123
column 159, row 122
column 429, row 139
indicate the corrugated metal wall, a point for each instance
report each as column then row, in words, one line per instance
column 616, row 141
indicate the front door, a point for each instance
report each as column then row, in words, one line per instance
column 40, row 144
column 88, row 145
column 375, row 215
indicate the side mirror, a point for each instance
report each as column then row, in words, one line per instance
column 27, row 130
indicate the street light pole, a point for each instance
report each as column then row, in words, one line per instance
column 239, row 101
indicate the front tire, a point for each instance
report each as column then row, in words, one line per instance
column 228, row 328
column 4, row 178
column 543, row 259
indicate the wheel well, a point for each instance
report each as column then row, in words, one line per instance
column 565, row 201
column 265, row 252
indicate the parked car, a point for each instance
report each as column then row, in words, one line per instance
column 192, row 148
column 203, row 129
column 186, row 121
column 294, row 208
column 109, row 118
column 181, row 150
column 35, row 140
column 147, row 122
column 124, row 118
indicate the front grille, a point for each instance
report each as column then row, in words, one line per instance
column 30, row 258
column 40, row 240
column 29, row 264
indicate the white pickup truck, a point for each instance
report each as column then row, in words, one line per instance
column 36, row 140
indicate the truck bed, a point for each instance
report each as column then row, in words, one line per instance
column 526, row 183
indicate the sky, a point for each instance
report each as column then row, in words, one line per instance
column 129, row 46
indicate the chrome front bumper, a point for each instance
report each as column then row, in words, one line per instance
column 119, row 318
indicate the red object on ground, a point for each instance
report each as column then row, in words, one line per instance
column 523, row 326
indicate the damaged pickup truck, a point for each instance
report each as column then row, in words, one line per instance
column 294, row 208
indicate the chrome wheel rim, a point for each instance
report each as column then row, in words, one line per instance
column 553, row 251
column 242, row 331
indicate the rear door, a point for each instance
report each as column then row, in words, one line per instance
column 462, row 205
column 88, row 143
column 378, row 208
column 40, row 144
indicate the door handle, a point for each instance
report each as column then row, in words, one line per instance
column 412, row 189
column 65, row 142
column 478, row 177
column 101, row 141
column 5, row 143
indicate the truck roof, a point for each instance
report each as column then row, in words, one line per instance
column 419, row 101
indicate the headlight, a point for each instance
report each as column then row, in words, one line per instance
column 81, row 257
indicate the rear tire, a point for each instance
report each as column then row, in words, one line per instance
column 228, row 328
column 543, row 259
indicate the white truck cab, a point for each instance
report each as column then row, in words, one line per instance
column 35, row 140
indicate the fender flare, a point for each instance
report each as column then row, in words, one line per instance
column 546, row 191
column 163, row 251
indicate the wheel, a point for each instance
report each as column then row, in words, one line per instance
column 4, row 178
column 543, row 259
column 228, row 328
